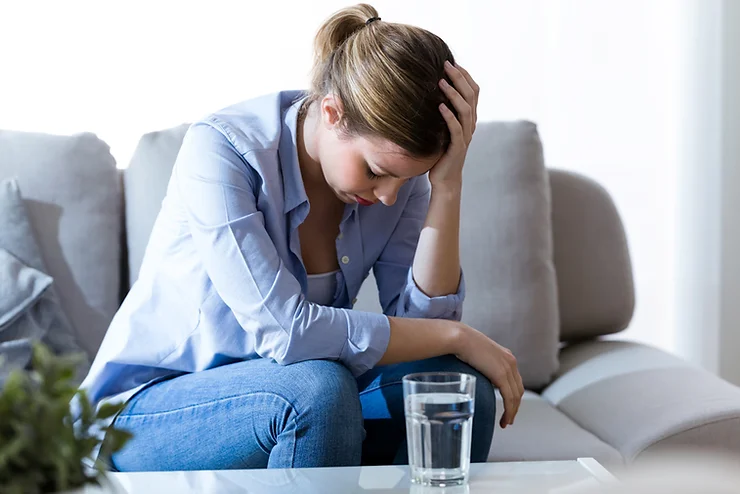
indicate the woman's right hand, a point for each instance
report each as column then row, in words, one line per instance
column 498, row 364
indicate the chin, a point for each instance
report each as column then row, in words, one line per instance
column 345, row 198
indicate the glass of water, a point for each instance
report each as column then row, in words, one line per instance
column 439, row 410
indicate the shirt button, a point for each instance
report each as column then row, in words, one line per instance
column 345, row 260
column 354, row 301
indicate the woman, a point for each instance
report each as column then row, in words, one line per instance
column 238, row 347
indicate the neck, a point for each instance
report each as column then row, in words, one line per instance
column 306, row 139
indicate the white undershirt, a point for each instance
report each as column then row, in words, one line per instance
column 322, row 287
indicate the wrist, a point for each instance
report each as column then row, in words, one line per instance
column 446, row 179
column 451, row 189
column 459, row 337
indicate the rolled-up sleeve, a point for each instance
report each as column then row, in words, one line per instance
column 218, row 188
column 399, row 295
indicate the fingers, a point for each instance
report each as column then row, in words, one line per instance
column 476, row 90
column 462, row 97
column 464, row 112
column 509, row 402
column 467, row 87
column 514, row 382
column 520, row 383
column 474, row 86
column 457, row 134
column 517, row 395
column 461, row 83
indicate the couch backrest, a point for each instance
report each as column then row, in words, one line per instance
column 595, row 284
column 72, row 191
column 145, row 183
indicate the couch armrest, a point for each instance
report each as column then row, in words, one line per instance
column 642, row 400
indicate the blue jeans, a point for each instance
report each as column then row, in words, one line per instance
column 258, row 414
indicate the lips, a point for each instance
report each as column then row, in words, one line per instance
column 363, row 202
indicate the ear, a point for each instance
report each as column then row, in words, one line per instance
column 331, row 111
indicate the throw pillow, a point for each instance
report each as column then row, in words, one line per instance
column 72, row 194
column 31, row 309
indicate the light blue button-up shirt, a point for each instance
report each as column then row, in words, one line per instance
column 223, row 280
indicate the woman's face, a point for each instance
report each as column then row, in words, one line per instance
column 366, row 170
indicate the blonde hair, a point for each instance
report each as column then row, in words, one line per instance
column 386, row 77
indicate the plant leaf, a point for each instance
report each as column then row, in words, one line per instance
column 42, row 442
column 108, row 410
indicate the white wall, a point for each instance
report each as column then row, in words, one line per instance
column 610, row 83
column 729, row 357
column 698, row 233
column 707, row 268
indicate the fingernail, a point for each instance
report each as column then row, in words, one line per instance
column 444, row 83
column 448, row 64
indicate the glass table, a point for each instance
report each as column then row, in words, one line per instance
column 553, row 477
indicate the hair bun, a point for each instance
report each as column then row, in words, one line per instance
column 339, row 27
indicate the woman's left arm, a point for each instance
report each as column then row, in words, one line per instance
column 436, row 267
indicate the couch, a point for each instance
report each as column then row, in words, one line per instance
column 547, row 270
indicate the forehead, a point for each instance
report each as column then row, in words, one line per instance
column 393, row 159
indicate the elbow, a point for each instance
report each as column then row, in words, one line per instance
column 274, row 343
column 457, row 315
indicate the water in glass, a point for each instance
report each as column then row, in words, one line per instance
column 439, row 420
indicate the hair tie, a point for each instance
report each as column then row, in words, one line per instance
column 370, row 20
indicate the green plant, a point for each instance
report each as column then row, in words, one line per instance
column 41, row 447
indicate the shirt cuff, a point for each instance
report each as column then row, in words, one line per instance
column 367, row 340
column 416, row 303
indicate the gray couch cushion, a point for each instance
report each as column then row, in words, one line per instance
column 506, row 247
column 72, row 193
column 595, row 285
column 145, row 184
column 641, row 400
column 541, row 432
column 29, row 306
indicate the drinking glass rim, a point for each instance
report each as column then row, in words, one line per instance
column 461, row 377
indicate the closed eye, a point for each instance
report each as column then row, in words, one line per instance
column 371, row 175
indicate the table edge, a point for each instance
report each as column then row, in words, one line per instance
column 597, row 470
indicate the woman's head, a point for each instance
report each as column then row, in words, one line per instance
column 376, row 87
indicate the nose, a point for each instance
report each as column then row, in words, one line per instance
column 387, row 192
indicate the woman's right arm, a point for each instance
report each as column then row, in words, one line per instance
column 418, row 339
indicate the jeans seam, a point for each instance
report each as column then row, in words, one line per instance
column 212, row 402
column 294, row 431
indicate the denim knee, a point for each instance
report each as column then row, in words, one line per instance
column 484, row 420
column 330, row 402
column 485, row 399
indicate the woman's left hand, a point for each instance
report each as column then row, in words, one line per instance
column 464, row 96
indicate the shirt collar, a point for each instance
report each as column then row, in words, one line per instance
column 295, row 192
